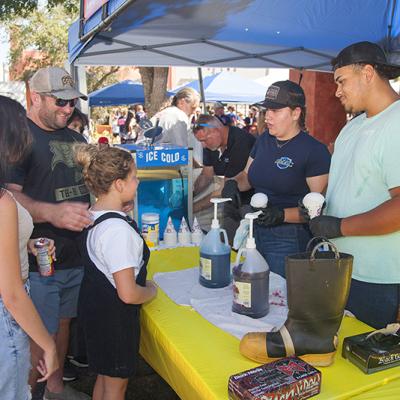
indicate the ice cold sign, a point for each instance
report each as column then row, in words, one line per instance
column 161, row 157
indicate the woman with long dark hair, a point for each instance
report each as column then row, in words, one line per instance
column 19, row 319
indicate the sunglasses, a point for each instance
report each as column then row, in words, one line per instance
column 63, row 103
column 197, row 127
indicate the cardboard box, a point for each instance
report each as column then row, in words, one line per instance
column 372, row 355
column 285, row 379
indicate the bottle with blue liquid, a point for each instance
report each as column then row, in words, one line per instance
column 215, row 254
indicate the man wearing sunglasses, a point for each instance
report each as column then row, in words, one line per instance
column 50, row 186
column 225, row 153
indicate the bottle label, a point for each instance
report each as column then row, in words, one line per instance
column 45, row 262
column 242, row 293
column 150, row 234
column 205, row 268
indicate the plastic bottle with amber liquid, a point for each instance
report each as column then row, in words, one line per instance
column 251, row 278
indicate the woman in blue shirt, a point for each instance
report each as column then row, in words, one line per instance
column 286, row 163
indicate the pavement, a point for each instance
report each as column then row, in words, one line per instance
column 146, row 385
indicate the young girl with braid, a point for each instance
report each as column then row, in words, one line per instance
column 115, row 258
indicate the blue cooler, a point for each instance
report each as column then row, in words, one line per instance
column 165, row 185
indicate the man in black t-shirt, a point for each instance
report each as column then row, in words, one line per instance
column 50, row 186
column 226, row 151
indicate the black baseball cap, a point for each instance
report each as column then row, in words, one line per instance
column 366, row 53
column 283, row 94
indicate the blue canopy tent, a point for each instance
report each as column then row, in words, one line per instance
column 229, row 87
column 121, row 93
column 238, row 33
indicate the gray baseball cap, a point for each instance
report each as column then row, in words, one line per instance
column 218, row 105
column 55, row 81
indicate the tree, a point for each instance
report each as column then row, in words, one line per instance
column 11, row 9
column 154, row 81
column 46, row 33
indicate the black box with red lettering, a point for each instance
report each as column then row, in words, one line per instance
column 288, row 378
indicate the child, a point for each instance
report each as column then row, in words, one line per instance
column 115, row 258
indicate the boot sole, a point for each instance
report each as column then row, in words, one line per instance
column 319, row 360
column 316, row 360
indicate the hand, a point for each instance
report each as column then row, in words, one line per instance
column 326, row 226
column 152, row 286
column 231, row 190
column 48, row 364
column 271, row 216
column 71, row 215
column 51, row 249
column 303, row 211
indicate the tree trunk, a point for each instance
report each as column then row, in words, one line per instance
column 154, row 81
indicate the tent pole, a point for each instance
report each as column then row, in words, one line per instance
column 201, row 86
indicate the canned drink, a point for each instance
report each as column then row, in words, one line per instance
column 43, row 258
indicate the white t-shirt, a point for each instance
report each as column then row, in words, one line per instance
column 176, row 130
column 114, row 246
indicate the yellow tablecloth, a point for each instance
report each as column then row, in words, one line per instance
column 196, row 358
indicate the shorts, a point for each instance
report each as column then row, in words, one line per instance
column 14, row 357
column 56, row 297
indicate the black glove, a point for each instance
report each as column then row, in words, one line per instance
column 304, row 212
column 326, row 226
column 231, row 190
column 270, row 216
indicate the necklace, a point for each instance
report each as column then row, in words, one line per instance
column 281, row 143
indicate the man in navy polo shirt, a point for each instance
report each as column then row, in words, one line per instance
column 225, row 153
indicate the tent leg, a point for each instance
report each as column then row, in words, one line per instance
column 202, row 96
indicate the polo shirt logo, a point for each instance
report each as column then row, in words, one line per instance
column 284, row 162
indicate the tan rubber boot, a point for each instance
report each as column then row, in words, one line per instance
column 317, row 289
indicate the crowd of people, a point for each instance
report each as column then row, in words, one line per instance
column 49, row 174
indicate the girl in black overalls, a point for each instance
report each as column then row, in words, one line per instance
column 110, row 295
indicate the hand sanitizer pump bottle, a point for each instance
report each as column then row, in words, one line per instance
column 215, row 265
column 251, row 279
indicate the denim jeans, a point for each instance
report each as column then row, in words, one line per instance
column 276, row 242
column 14, row 358
column 374, row 303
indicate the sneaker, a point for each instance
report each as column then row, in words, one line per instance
column 80, row 362
column 69, row 373
column 68, row 393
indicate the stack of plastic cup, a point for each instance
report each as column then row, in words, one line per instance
column 170, row 235
column 197, row 234
column 313, row 202
column 184, row 234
